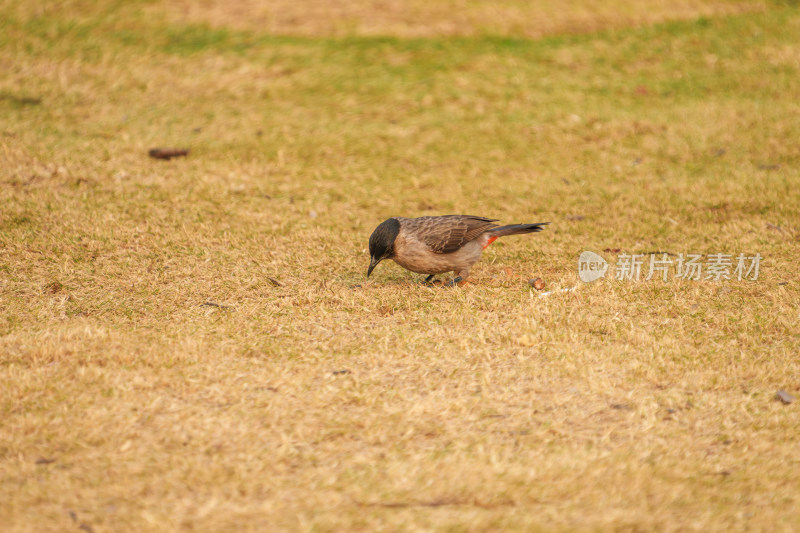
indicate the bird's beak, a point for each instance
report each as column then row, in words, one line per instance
column 372, row 264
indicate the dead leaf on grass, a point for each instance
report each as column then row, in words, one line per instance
column 53, row 287
column 536, row 283
column 167, row 153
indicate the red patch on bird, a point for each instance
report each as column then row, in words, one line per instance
column 490, row 241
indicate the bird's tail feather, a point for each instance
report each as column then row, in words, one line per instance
column 516, row 229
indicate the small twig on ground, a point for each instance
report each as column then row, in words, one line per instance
column 214, row 304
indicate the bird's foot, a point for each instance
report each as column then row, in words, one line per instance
column 429, row 280
column 458, row 280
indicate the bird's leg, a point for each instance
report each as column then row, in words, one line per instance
column 428, row 279
column 455, row 281
column 461, row 275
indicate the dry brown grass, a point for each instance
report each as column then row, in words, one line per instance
column 321, row 401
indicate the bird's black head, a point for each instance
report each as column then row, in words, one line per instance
column 381, row 242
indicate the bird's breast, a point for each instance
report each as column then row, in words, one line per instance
column 416, row 256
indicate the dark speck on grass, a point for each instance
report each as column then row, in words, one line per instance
column 53, row 287
column 167, row 153
column 622, row 406
column 20, row 101
column 341, row 372
column 16, row 222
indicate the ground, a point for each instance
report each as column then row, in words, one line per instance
column 193, row 344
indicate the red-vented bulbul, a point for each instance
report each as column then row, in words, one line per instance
column 435, row 245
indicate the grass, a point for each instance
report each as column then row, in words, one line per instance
column 193, row 345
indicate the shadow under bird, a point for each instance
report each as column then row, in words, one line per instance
column 435, row 245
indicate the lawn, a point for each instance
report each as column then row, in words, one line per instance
column 193, row 344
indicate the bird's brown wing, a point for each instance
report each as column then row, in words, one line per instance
column 447, row 234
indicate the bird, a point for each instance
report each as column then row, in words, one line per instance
column 438, row 244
